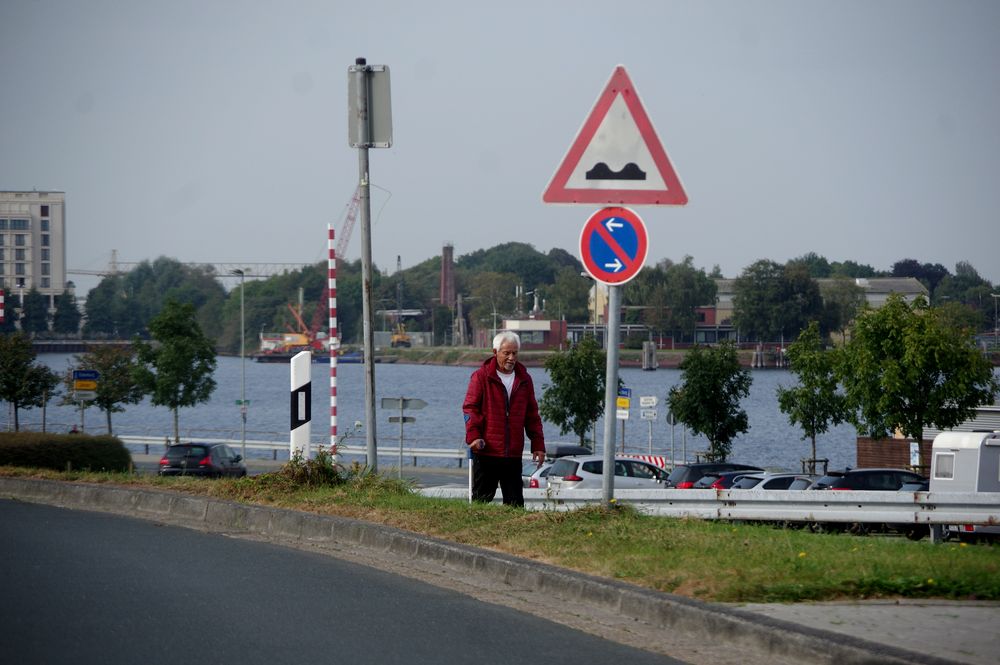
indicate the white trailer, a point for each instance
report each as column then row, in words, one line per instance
column 967, row 462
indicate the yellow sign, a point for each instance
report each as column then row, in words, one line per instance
column 85, row 385
column 623, row 402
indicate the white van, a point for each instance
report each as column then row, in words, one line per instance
column 967, row 462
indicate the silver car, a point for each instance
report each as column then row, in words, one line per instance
column 774, row 481
column 534, row 475
column 585, row 472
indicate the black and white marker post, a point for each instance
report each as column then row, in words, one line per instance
column 301, row 404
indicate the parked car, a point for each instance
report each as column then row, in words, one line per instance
column 557, row 450
column 873, row 480
column 534, row 475
column 684, row 476
column 774, row 481
column 585, row 472
column 718, row 480
column 212, row 460
column 879, row 480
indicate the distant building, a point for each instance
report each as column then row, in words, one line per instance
column 32, row 244
column 714, row 322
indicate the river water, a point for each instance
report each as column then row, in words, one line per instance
column 771, row 441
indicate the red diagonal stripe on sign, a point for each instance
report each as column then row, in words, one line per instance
column 613, row 244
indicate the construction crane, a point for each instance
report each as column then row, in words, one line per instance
column 350, row 215
column 343, row 238
column 399, row 336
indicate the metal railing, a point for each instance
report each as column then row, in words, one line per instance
column 158, row 443
column 778, row 506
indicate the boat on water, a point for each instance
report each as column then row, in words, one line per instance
column 281, row 347
column 285, row 355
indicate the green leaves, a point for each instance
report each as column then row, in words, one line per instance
column 815, row 404
column 23, row 382
column 177, row 370
column 906, row 368
column 575, row 400
column 708, row 398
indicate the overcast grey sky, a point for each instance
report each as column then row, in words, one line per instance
column 210, row 130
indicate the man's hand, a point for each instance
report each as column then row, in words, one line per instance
column 538, row 456
column 477, row 445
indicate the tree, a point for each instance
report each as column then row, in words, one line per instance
column 40, row 385
column 758, row 293
column 35, row 317
column 905, row 368
column 23, row 383
column 687, row 289
column 817, row 265
column 842, row 298
column 669, row 295
column 118, row 383
column 815, row 404
column 492, row 297
column 8, row 324
column 708, row 397
column 567, row 298
column 66, row 319
column 177, row 371
column 930, row 275
column 575, row 399
column 771, row 301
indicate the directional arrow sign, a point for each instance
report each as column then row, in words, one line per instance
column 613, row 245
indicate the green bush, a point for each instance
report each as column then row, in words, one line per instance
column 61, row 451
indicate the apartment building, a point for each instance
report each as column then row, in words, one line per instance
column 32, row 244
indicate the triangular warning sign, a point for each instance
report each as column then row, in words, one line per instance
column 617, row 157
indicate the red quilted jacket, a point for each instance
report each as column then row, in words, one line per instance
column 489, row 417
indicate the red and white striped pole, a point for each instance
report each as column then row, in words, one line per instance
column 334, row 336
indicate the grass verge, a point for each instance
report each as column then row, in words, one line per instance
column 712, row 561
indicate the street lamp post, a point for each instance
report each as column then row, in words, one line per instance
column 243, row 368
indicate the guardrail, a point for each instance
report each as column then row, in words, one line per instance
column 157, row 443
column 928, row 508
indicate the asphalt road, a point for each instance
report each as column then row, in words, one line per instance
column 82, row 587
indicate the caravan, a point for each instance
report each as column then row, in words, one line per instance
column 967, row 462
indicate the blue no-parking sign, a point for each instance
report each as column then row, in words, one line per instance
column 613, row 245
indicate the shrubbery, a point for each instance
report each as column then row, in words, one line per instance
column 61, row 451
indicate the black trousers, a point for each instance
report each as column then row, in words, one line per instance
column 488, row 472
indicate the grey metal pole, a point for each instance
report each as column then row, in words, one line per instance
column 401, row 402
column 243, row 372
column 243, row 365
column 610, row 397
column 365, row 210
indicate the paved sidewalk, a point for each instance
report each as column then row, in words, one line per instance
column 960, row 631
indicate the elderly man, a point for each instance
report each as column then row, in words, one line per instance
column 500, row 408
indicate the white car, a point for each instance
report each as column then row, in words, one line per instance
column 535, row 476
column 585, row 472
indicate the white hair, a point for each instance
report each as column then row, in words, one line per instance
column 506, row 336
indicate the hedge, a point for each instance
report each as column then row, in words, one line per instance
column 63, row 451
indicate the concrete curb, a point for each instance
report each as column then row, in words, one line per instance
column 714, row 623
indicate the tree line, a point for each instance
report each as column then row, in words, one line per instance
column 772, row 301
column 906, row 367
column 174, row 368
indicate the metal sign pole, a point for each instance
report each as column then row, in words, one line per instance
column 402, row 402
column 610, row 396
column 360, row 82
